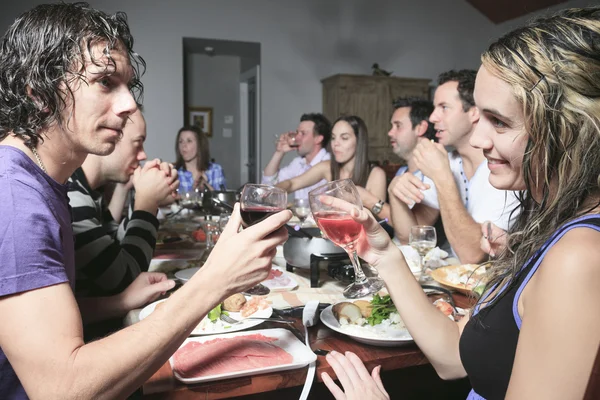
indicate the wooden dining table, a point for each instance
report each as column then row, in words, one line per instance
column 164, row 385
column 404, row 366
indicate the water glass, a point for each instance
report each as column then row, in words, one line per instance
column 423, row 238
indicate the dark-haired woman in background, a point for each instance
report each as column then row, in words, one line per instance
column 349, row 149
column 193, row 164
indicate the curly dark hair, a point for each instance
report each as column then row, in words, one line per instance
column 420, row 110
column 322, row 126
column 466, row 85
column 44, row 51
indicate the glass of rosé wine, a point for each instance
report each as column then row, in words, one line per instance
column 258, row 202
column 339, row 227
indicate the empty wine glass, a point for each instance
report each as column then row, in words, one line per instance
column 257, row 202
column 211, row 229
column 339, row 226
column 301, row 209
column 223, row 221
column 188, row 198
column 423, row 238
column 210, row 226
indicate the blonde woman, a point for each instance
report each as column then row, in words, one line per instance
column 536, row 330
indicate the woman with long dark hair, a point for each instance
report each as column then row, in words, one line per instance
column 193, row 164
column 349, row 149
column 535, row 331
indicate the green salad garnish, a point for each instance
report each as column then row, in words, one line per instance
column 382, row 308
column 215, row 313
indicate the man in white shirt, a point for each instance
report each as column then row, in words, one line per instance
column 312, row 137
column 409, row 124
column 455, row 184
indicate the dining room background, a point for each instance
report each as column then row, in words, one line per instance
column 301, row 42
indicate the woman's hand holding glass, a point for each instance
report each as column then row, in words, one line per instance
column 374, row 244
column 333, row 206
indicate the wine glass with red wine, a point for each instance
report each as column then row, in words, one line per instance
column 339, row 227
column 257, row 203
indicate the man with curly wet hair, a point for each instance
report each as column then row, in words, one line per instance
column 68, row 82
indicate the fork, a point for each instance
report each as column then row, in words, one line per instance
column 489, row 236
column 229, row 320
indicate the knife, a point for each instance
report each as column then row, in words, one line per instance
column 296, row 312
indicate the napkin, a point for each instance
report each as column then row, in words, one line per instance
column 435, row 258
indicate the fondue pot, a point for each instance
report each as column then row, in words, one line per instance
column 219, row 201
column 306, row 241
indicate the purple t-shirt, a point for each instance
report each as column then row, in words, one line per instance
column 36, row 239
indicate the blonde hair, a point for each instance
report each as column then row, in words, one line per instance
column 553, row 66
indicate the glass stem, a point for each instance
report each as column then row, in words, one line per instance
column 424, row 277
column 359, row 275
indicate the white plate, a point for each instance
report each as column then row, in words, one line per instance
column 223, row 327
column 169, row 265
column 331, row 322
column 301, row 354
column 185, row 275
column 281, row 283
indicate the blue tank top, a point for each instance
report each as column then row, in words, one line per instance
column 488, row 343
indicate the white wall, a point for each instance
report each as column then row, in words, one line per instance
column 301, row 43
column 214, row 82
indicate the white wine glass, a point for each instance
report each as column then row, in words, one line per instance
column 301, row 209
column 339, row 226
column 423, row 238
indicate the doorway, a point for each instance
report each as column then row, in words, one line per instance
column 223, row 76
column 250, row 125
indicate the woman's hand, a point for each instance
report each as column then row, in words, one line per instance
column 202, row 182
column 493, row 241
column 356, row 381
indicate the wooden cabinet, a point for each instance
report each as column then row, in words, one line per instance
column 370, row 97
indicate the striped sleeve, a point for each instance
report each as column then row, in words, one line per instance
column 105, row 265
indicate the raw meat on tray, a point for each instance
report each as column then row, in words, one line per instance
column 226, row 355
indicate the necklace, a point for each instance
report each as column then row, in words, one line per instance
column 37, row 157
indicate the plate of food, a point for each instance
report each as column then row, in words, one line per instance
column 435, row 258
column 168, row 265
column 464, row 278
column 237, row 306
column 170, row 239
column 372, row 321
column 279, row 280
column 204, row 359
column 185, row 275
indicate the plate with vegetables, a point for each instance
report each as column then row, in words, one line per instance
column 237, row 306
column 373, row 321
